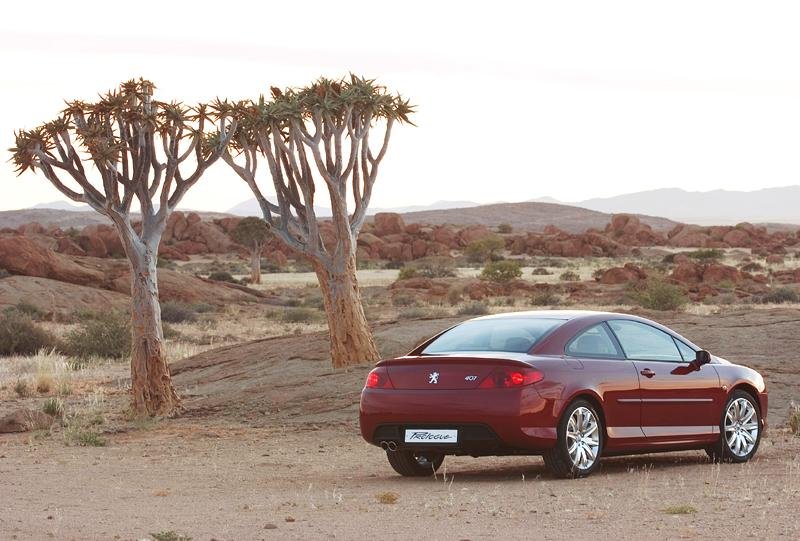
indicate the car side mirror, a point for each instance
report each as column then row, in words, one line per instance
column 702, row 357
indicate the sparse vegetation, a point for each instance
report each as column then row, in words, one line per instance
column 420, row 312
column 176, row 312
column 404, row 300
column 21, row 388
column 794, row 418
column 44, row 382
column 658, row 295
column 706, row 254
column 545, row 299
column 486, row 249
column 751, row 266
column 54, row 407
column 387, row 497
column 779, row 295
column 474, row 308
column 682, row 509
column 505, row 228
column 108, row 337
column 170, row 535
column 223, row 276
column 569, row 276
column 501, row 271
column 299, row 315
column 19, row 335
column 541, row 271
column 30, row 310
column 429, row 267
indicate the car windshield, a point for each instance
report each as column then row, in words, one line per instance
column 514, row 335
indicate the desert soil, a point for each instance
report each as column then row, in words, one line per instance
column 269, row 448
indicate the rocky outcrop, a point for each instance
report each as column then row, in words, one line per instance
column 622, row 275
column 388, row 223
column 23, row 420
column 21, row 255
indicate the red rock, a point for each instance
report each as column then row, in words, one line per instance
column 715, row 273
column 413, row 283
column 64, row 245
column 210, row 235
column 622, row 275
column 193, row 218
column 32, row 228
column 446, row 235
column 190, row 247
column 92, row 245
column 419, row 248
column 413, row 229
column 21, row 255
column 170, row 252
column 774, row 259
column 387, row 223
column 687, row 273
column 472, row 233
column 370, row 241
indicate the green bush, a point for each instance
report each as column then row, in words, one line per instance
column 27, row 309
column 505, row 228
column 474, row 308
column 108, row 336
column 779, row 296
column 404, row 300
column 541, row 271
column 501, row 271
column 429, row 267
column 751, row 266
column 53, row 406
column 657, row 295
column 794, row 418
column 486, row 249
column 19, row 335
column 223, row 276
column 569, row 276
column 706, row 254
column 545, row 299
column 407, row 272
column 176, row 312
column 419, row 313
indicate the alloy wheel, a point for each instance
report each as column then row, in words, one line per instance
column 741, row 427
column 583, row 442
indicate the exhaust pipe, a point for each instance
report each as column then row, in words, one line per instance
column 385, row 446
column 392, row 446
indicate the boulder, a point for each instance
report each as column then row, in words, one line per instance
column 419, row 248
column 471, row 234
column 210, row 235
column 715, row 273
column 64, row 245
column 21, row 255
column 775, row 259
column 387, row 223
column 622, row 275
column 687, row 273
column 23, row 420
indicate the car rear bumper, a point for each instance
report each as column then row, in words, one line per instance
column 489, row 421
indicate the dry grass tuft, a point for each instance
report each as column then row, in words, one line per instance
column 794, row 418
column 682, row 509
column 387, row 497
column 44, row 382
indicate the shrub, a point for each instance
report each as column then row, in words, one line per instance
column 19, row 335
column 706, row 254
column 28, row 309
column 299, row 315
column 203, row 307
column 454, row 294
column 545, row 299
column 170, row 535
column 598, row 274
column 21, row 388
column 683, row 509
column 505, row 228
column 668, row 259
column 480, row 251
column 387, row 497
column 223, row 276
column 794, row 418
column 541, row 271
column 164, row 263
column 404, row 299
column 474, row 308
column 170, row 332
column 108, row 337
column 501, row 271
column 418, row 313
column 657, row 295
column 407, row 272
column 780, row 296
column 53, row 406
column 43, row 383
column 569, row 276
column 752, row 266
column 175, row 312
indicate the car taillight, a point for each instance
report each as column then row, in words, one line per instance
column 378, row 378
column 505, row 378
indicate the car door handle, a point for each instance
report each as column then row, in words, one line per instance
column 647, row 373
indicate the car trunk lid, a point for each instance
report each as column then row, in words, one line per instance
column 443, row 372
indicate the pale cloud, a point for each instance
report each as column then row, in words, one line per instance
column 516, row 100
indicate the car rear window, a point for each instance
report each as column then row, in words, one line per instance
column 513, row 335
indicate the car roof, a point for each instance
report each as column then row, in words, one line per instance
column 551, row 314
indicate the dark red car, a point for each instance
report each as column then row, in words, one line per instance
column 570, row 386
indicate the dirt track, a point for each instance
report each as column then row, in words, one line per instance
column 269, row 449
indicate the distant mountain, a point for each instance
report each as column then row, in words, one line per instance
column 63, row 205
column 717, row 207
column 251, row 208
column 527, row 216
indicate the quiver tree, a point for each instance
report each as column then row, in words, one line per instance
column 320, row 137
column 252, row 232
column 122, row 153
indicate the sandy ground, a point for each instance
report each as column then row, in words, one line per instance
column 209, row 481
column 268, row 448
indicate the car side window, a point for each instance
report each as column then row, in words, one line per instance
column 644, row 342
column 594, row 342
column 687, row 353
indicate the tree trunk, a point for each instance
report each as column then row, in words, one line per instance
column 351, row 338
column 151, row 384
column 255, row 264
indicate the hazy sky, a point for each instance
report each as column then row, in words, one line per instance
column 516, row 100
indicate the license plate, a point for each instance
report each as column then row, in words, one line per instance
column 425, row 435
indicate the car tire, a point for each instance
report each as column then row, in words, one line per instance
column 565, row 461
column 411, row 464
column 740, row 429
